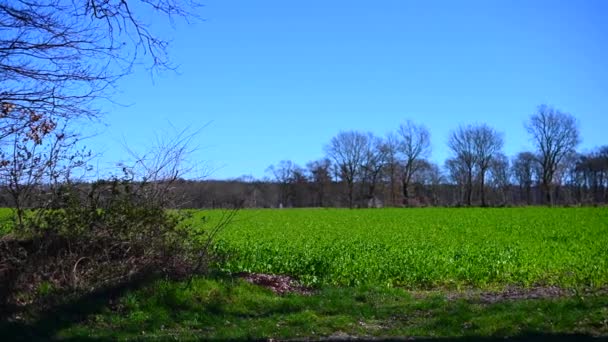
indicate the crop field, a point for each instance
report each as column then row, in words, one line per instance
column 422, row 248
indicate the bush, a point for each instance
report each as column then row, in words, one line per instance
column 101, row 235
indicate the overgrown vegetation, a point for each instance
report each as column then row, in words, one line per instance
column 82, row 238
column 114, row 236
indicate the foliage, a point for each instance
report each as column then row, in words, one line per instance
column 423, row 248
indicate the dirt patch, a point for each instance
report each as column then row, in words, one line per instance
column 280, row 284
column 510, row 293
column 516, row 293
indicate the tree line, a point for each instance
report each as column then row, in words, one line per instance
column 363, row 170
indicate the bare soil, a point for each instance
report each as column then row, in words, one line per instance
column 511, row 293
column 280, row 284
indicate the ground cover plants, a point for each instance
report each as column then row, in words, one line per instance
column 423, row 248
column 232, row 309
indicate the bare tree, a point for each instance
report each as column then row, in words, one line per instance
column 458, row 173
column 487, row 144
column 58, row 56
column 373, row 164
column 430, row 178
column 391, row 165
column 499, row 170
column 414, row 145
column 523, row 169
column 463, row 145
column 435, row 178
column 555, row 135
column 286, row 174
column 565, row 180
column 592, row 171
column 348, row 151
column 320, row 177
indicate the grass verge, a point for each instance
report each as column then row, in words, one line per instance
column 230, row 309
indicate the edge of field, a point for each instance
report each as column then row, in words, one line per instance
column 232, row 308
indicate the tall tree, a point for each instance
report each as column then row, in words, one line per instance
column 488, row 144
column 286, row 175
column 391, row 165
column 429, row 177
column 592, row 169
column 414, row 145
column 373, row 164
column 555, row 135
column 320, row 177
column 523, row 170
column 565, row 180
column 348, row 151
column 435, row 179
column 458, row 174
column 499, row 170
column 463, row 146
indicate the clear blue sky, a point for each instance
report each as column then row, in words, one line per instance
column 277, row 79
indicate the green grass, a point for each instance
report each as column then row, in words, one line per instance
column 366, row 267
column 216, row 308
column 6, row 220
column 423, row 248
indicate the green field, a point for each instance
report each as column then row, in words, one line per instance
column 389, row 258
column 422, row 248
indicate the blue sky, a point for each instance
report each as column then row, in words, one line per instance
column 275, row 80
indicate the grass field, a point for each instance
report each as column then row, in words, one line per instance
column 231, row 310
column 423, row 248
column 430, row 273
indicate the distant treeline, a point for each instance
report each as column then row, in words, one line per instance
column 308, row 193
column 361, row 169
column 304, row 192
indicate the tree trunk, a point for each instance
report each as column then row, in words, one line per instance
column 350, row 194
column 548, row 196
column 469, row 189
column 393, row 197
column 483, row 193
column 406, row 195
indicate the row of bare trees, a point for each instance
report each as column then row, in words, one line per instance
column 363, row 170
